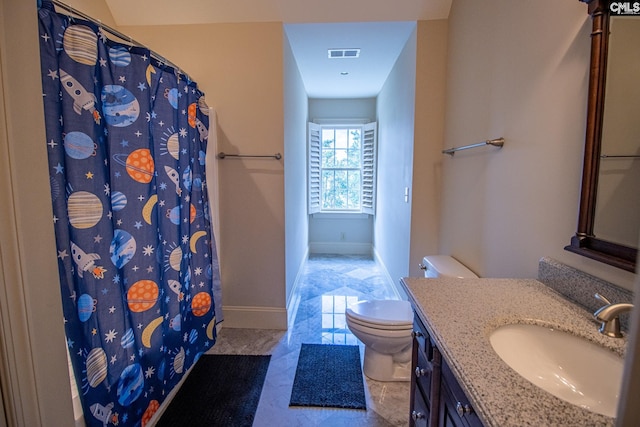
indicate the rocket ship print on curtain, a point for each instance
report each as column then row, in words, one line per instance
column 138, row 267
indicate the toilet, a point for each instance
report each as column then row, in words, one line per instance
column 445, row 266
column 385, row 326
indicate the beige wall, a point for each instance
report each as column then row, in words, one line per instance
column 96, row 9
column 33, row 362
column 431, row 68
column 240, row 69
column 516, row 70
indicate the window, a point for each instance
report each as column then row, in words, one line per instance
column 342, row 168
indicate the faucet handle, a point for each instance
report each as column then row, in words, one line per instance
column 602, row 298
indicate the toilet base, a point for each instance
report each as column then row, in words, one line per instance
column 387, row 367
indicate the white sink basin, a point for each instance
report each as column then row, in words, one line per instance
column 569, row 367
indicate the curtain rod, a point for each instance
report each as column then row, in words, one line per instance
column 120, row 35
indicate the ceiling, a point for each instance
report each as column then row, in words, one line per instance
column 379, row 28
column 380, row 43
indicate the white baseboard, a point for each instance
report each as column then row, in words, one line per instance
column 246, row 317
column 343, row 248
column 395, row 284
column 293, row 299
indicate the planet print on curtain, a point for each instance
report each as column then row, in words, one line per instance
column 139, row 275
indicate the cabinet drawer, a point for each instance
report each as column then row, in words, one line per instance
column 422, row 337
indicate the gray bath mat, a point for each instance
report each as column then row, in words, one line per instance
column 329, row 376
column 221, row 390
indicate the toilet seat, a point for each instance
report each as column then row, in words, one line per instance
column 377, row 327
column 382, row 314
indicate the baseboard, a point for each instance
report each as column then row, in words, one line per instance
column 293, row 299
column 246, row 317
column 395, row 285
column 342, row 248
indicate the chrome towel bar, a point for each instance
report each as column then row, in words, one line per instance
column 276, row 156
column 609, row 156
column 499, row 142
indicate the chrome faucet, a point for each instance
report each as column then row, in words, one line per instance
column 609, row 316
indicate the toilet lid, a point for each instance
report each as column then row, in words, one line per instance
column 382, row 313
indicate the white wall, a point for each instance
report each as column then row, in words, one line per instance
column 628, row 409
column 517, row 70
column 341, row 233
column 340, row 109
column 295, row 167
column 395, row 108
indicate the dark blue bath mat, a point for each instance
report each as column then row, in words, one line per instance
column 329, row 376
column 221, row 390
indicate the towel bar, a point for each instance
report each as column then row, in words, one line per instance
column 499, row 142
column 276, row 156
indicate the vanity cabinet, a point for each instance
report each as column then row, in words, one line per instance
column 436, row 397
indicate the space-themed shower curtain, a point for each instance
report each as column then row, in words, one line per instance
column 126, row 139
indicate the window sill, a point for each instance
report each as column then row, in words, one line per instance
column 340, row 215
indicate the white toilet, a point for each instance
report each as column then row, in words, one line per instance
column 385, row 326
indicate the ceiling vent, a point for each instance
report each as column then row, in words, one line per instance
column 343, row 53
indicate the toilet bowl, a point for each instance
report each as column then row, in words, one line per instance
column 385, row 326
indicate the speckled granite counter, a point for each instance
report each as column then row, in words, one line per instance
column 461, row 314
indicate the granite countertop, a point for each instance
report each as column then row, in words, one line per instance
column 460, row 314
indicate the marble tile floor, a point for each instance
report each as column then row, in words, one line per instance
column 329, row 283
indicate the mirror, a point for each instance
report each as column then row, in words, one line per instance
column 618, row 205
column 609, row 216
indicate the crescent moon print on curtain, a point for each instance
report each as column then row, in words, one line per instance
column 126, row 139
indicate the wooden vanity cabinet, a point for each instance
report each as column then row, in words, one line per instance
column 436, row 397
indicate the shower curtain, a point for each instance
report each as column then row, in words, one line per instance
column 126, row 138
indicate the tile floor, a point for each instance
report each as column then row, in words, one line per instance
column 330, row 282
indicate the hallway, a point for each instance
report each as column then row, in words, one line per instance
column 329, row 283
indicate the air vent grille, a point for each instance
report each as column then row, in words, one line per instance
column 343, row 53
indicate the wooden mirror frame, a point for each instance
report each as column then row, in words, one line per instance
column 585, row 242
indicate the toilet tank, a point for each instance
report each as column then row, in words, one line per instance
column 445, row 266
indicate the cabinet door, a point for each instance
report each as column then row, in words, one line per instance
column 419, row 411
column 425, row 380
column 455, row 408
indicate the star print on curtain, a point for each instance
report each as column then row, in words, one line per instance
column 139, row 276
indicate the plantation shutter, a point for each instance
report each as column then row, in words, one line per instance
column 369, row 168
column 314, row 168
